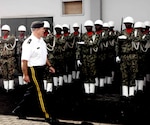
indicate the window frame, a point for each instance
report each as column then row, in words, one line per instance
column 62, row 6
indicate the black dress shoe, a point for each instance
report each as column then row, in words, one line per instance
column 22, row 117
column 52, row 121
column 18, row 113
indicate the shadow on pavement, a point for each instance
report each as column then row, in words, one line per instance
column 69, row 102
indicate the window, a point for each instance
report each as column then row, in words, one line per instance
column 72, row 7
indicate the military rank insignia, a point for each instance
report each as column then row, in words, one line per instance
column 29, row 41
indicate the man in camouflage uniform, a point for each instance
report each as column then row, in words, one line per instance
column 107, row 50
column 75, row 36
column 48, row 38
column 19, row 40
column 88, row 57
column 146, row 52
column 127, row 55
column 69, row 54
column 113, row 34
column 7, row 46
column 58, row 53
column 103, row 68
column 98, row 32
column 139, row 43
column 147, row 56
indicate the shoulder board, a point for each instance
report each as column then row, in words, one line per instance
column 29, row 41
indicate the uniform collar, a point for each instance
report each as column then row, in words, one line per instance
column 90, row 33
column 35, row 38
column 5, row 36
column 58, row 35
column 66, row 34
column 99, row 32
column 129, row 30
column 76, row 33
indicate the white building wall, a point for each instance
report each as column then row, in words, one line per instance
column 45, row 8
column 95, row 9
column 116, row 9
column 92, row 9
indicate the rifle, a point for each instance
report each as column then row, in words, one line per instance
column 121, row 24
column 69, row 29
column 80, row 38
column 81, row 34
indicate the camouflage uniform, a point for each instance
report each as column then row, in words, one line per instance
column 147, row 63
column 48, row 77
column 69, row 57
column 147, row 56
column 141, row 54
column 7, row 60
column 8, row 57
column 112, row 53
column 88, row 57
column 75, row 36
column 58, row 53
column 19, row 41
column 102, row 55
column 143, row 65
column 129, row 59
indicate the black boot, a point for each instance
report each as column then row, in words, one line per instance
column 18, row 112
column 52, row 121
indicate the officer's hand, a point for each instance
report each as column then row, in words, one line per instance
column 118, row 60
column 26, row 78
column 79, row 63
column 51, row 69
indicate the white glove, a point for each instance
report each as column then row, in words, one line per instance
column 81, row 42
column 79, row 63
column 16, row 39
column 122, row 37
column 118, row 59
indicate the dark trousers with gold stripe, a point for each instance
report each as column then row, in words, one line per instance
column 36, row 78
column 36, row 88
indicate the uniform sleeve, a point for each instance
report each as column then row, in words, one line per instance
column 26, row 51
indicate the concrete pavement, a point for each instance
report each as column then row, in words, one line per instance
column 13, row 120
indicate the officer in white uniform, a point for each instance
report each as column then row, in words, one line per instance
column 34, row 59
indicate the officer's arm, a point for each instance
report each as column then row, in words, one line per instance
column 24, row 67
column 48, row 63
column 51, row 69
column 25, row 70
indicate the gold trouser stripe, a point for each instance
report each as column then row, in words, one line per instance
column 39, row 92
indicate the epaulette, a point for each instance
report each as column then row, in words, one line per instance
column 29, row 41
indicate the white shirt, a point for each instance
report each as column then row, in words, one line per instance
column 34, row 51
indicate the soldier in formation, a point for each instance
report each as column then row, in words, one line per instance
column 147, row 56
column 19, row 41
column 58, row 53
column 128, row 56
column 99, row 83
column 69, row 54
column 88, row 57
column 48, row 38
column 91, row 56
column 7, row 61
column 76, row 37
column 131, row 49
